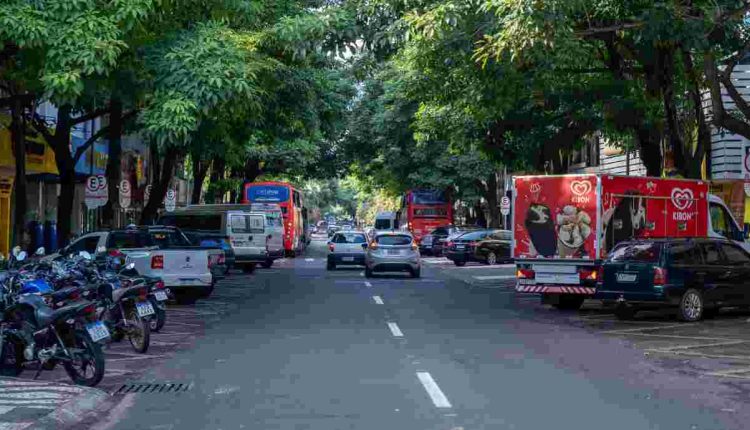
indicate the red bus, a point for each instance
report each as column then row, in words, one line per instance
column 423, row 210
column 292, row 208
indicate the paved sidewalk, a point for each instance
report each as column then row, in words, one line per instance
column 28, row 404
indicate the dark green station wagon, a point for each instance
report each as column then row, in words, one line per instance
column 697, row 276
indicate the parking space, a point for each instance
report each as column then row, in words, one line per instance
column 718, row 347
column 184, row 325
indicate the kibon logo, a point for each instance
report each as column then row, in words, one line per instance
column 682, row 199
column 580, row 190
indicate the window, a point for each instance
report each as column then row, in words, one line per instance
column 434, row 212
column 246, row 224
column 647, row 252
column 685, row 253
column 349, row 238
column 711, row 253
column 204, row 222
column 425, row 197
column 383, row 224
column 719, row 221
column 502, row 235
column 394, row 240
column 168, row 239
column 440, row 231
column 129, row 239
column 735, row 256
column 474, row 235
column 89, row 244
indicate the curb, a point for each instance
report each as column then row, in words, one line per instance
column 68, row 414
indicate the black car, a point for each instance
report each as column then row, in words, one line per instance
column 486, row 246
column 433, row 243
column 697, row 276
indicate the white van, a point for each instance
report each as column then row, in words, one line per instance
column 386, row 221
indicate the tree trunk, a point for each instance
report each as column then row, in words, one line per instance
column 694, row 160
column 114, row 168
column 18, row 137
column 252, row 170
column 217, row 174
column 492, row 201
column 66, row 169
column 200, row 168
column 161, row 185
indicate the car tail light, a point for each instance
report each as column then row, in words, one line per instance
column 222, row 258
column 414, row 245
column 331, row 247
column 449, row 244
column 159, row 285
column 589, row 274
column 157, row 262
column 525, row 274
column 373, row 245
column 211, row 260
column 660, row 276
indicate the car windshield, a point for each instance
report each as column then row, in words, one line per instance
column 349, row 238
column 474, row 235
column 638, row 252
column 394, row 240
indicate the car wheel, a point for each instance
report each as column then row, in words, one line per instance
column 570, row 302
column 416, row 273
column 459, row 263
column 691, row 306
column 267, row 264
column 491, row 259
column 625, row 313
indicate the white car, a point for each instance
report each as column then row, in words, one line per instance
column 346, row 248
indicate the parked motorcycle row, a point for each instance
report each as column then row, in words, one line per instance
column 61, row 311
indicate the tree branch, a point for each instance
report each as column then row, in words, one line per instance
column 89, row 116
column 720, row 118
column 608, row 29
column 737, row 98
column 83, row 148
column 40, row 125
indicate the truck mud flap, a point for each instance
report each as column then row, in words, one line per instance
column 554, row 289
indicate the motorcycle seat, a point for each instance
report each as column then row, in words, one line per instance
column 47, row 315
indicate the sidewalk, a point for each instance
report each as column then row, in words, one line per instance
column 26, row 404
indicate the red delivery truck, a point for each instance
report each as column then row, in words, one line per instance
column 564, row 226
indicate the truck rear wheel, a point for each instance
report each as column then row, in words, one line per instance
column 570, row 302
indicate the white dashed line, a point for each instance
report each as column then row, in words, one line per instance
column 433, row 390
column 309, row 259
column 377, row 300
column 395, row 330
column 368, row 285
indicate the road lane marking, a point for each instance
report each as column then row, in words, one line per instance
column 704, row 345
column 309, row 259
column 433, row 390
column 494, row 277
column 395, row 330
column 368, row 285
column 378, row 300
column 361, row 273
column 635, row 330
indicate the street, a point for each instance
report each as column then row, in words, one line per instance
column 298, row 347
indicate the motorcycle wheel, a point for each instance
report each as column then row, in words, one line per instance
column 139, row 332
column 87, row 366
column 158, row 320
column 11, row 357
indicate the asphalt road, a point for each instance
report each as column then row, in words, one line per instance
column 297, row 347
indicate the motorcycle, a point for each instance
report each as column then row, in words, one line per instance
column 31, row 331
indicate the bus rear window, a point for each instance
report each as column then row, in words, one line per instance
column 430, row 212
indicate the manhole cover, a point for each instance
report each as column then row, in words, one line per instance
column 153, row 388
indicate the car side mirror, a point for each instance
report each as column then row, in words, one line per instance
column 364, row 246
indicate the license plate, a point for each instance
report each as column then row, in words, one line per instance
column 160, row 296
column 394, row 252
column 557, row 278
column 144, row 309
column 626, row 277
column 97, row 331
column 460, row 246
column 187, row 281
column 347, row 259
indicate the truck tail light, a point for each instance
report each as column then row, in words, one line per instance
column 589, row 274
column 660, row 276
column 525, row 274
column 157, row 262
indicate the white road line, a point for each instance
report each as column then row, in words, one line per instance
column 309, row 259
column 395, row 330
column 433, row 390
column 361, row 273
column 378, row 300
column 634, row 330
column 368, row 285
column 15, row 426
column 494, row 278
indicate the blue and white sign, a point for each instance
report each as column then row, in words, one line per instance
column 267, row 193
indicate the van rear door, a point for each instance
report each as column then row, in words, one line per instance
column 247, row 233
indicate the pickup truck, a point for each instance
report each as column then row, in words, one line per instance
column 188, row 271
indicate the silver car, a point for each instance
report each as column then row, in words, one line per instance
column 346, row 248
column 393, row 252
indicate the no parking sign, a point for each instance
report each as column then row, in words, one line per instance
column 96, row 191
